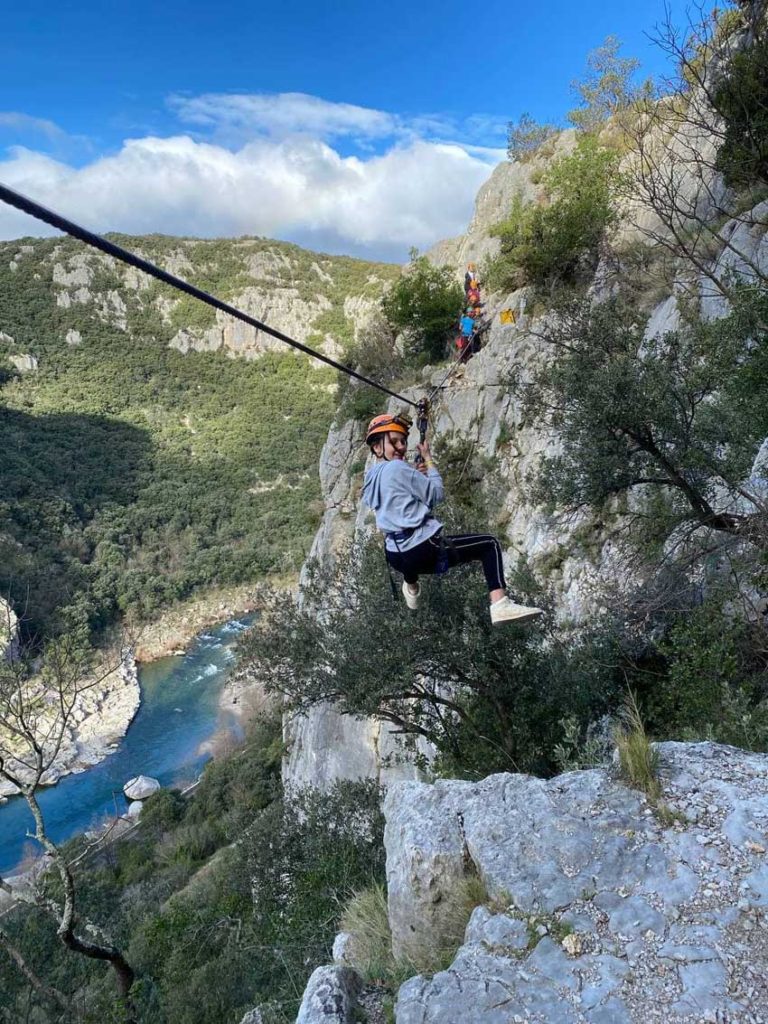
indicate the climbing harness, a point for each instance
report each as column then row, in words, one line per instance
column 34, row 209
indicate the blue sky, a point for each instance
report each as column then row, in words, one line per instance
column 340, row 125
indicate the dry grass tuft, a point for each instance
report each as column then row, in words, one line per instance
column 638, row 759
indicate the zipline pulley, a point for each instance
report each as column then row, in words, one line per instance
column 422, row 423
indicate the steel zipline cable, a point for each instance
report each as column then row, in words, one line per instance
column 34, row 209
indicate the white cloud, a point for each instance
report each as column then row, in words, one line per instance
column 412, row 195
column 283, row 114
column 279, row 183
column 13, row 120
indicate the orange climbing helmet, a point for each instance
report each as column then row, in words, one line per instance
column 387, row 424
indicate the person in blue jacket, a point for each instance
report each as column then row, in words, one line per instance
column 467, row 326
column 403, row 499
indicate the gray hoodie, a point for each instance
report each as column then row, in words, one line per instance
column 403, row 499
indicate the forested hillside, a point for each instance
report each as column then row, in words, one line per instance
column 134, row 468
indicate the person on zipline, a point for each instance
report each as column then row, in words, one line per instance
column 403, row 498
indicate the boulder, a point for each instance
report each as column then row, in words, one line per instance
column 24, row 363
column 330, row 997
column 140, row 788
column 254, row 1016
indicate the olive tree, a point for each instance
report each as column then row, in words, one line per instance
column 681, row 415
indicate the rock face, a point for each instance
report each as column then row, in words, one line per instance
column 577, row 559
column 100, row 717
column 597, row 911
column 494, row 200
column 319, row 300
column 281, row 308
column 8, row 630
column 330, row 997
column 24, row 363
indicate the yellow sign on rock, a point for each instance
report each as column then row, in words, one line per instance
column 507, row 316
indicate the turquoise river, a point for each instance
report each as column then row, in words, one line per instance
column 167, row 740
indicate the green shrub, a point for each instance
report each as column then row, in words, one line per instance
column 163, row 809
column 557, row 240
column 376, row 356
column 680, row 416
column 741, row 99
column 305, row 858
column 715, row 681
column 234, row 789
column 489, row 699
column 424, row 305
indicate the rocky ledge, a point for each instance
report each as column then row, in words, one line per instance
column 598, row 911
column 100, row 718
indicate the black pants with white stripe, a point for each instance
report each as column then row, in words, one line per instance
column 466, row 547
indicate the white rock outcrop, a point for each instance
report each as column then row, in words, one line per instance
column 102, row 712
column 598, row 912
column 140, row 787
column 8, row 630
column 24, row 363
column 330, row 997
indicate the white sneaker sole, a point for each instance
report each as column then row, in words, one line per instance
column 519, row 617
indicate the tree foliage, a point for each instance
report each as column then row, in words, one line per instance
column 489, row 699
column 557, row 240
column 606, row 88
column 525, row 137
column 224, row 900
column 741, row 99
column 423, row 305
column 683, row 414
column 132, row 474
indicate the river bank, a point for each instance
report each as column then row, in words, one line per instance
column 175, row 627
column 103, row 709
column 177, row 728
column 103, row 713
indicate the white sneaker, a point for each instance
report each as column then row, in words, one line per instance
column 506, row 610
column 411, row 599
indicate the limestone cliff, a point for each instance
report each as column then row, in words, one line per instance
column 317, row 299
column 578, row 558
